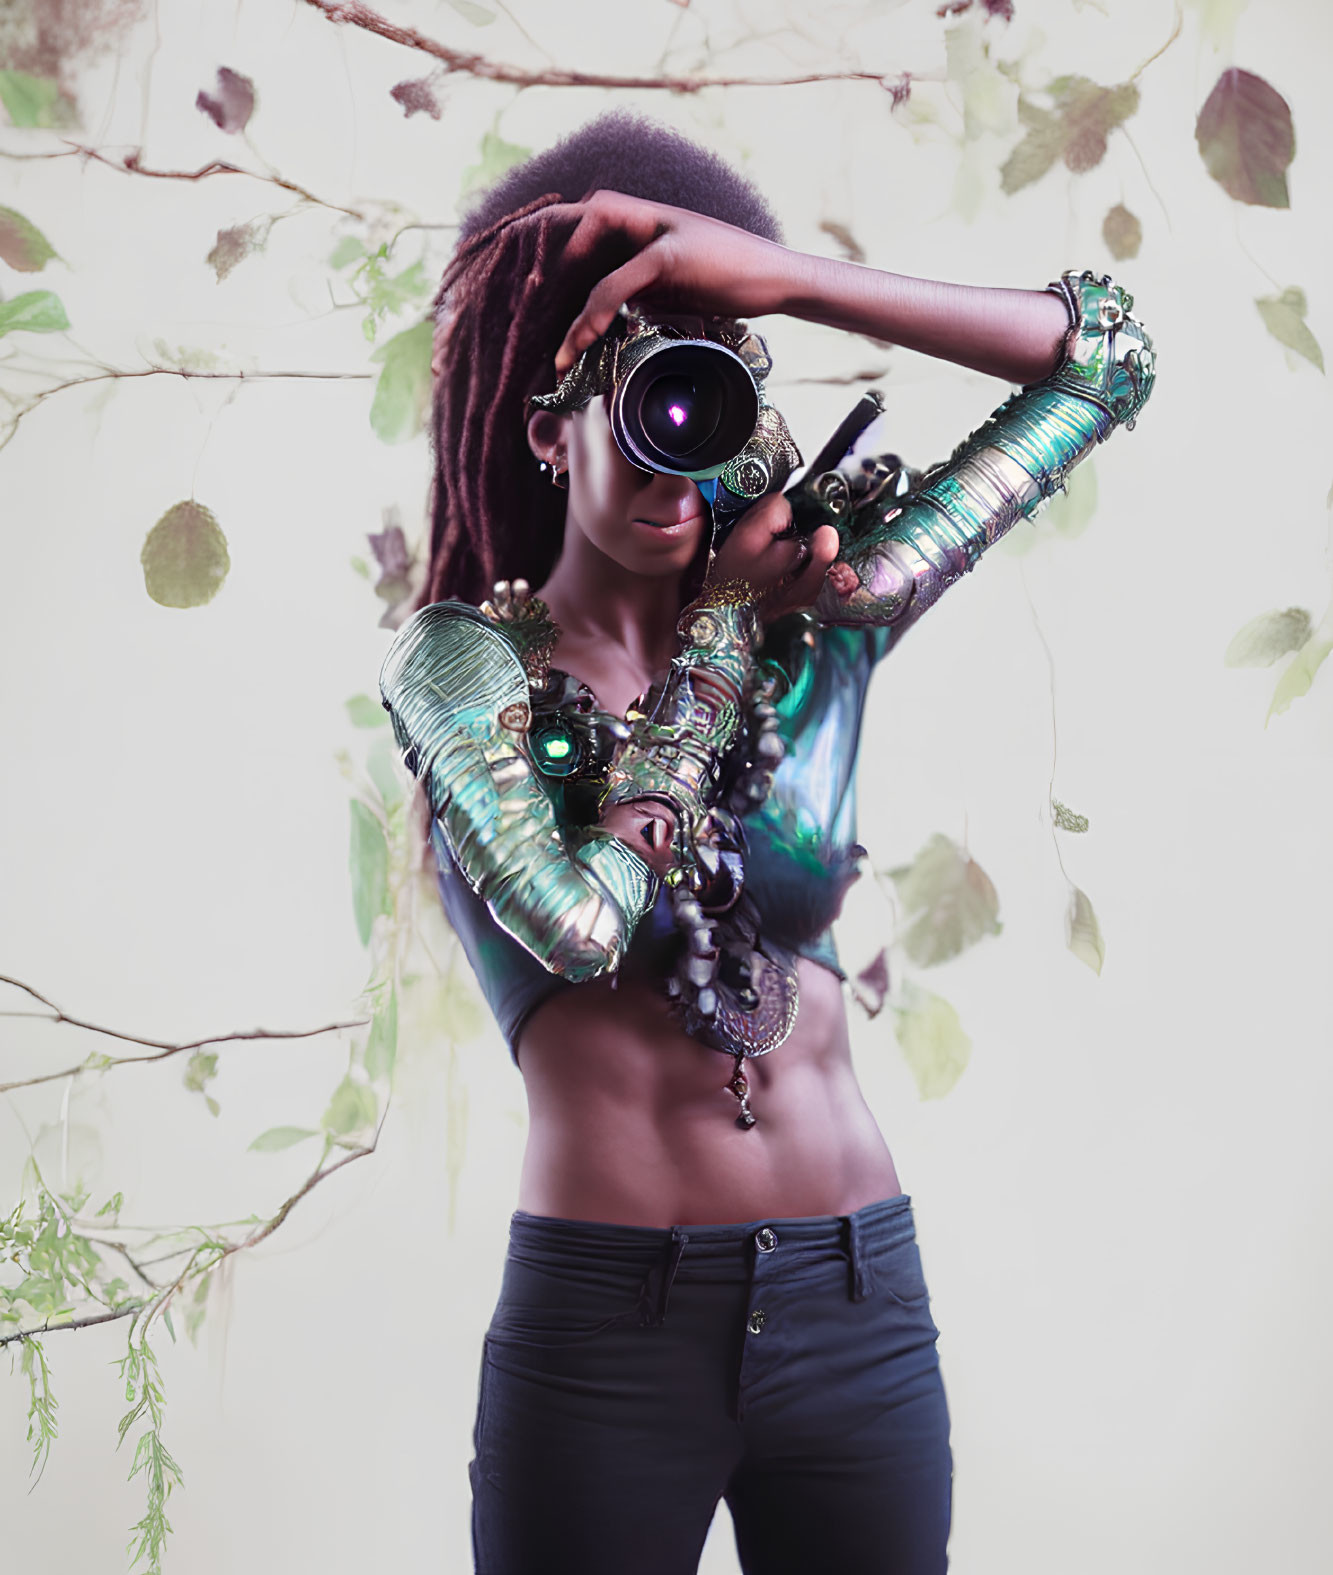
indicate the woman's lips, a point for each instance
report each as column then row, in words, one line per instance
column 676, row 527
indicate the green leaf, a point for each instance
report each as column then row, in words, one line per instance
column 1284, row 318
column 112, row 1206
column 1067, row 819
column 33, row 312
column 497, row 156
column 953, row 900
column 362, row 711
column 382, row 1046
column 199, row 1069
column 478, row 15
column 22, row 244
column 214, row 1109
column 1035, row 154
column 1122, row 233
column 184, row 557
column 278, row 1138
column 1083, row 932
column 348, row 250
column 34, row 101
column 351, row 1109
column 1070, row 511
column 1085, row 114
column 1299, row 674
column 1246, row 139
column 402, row 391
column 933, row 1041
column 171, row 1327
column 370, row 870
column 1267, row 637
column 360, row 566
column 382, row 767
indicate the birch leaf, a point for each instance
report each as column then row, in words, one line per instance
column 362, row 711
column 22, row 244
column 382, row 1046
column 33, row 312
column 184, row 557
column 351, row 1109
column 1084, row 933
column 34, row 101
column 1284, row 318
column 936, row 1047
column 278, row 1138
column 1068, row 819
column 1267, row 637
column 369, row 859
column 1246, row 139
column 402, row 391
column 1299, row 674
column 954, row 903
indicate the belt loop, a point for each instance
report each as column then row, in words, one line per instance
column 861, row 1276
column 675, row 1247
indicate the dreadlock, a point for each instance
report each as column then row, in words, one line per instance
column 503, row 306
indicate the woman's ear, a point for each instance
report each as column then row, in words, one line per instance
column 548, row 437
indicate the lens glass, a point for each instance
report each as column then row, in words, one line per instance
column 680, row 413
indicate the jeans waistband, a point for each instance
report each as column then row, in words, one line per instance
column 718, row 1251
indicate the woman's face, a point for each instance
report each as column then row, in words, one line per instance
column 648, row 523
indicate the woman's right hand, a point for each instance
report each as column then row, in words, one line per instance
column 787, row 571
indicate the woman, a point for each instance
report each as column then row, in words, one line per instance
column 641, row 788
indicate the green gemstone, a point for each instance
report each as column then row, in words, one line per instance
column 556, row 748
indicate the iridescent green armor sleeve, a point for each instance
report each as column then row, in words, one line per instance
column 907, row 550
column 458, row 695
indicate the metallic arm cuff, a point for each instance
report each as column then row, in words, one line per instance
column 458, row 696
column 907, row 551
column 676, row 752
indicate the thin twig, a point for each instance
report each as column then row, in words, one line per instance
column 162, row 1048
column 174, row 371
column 458, row 61
column 131, row 164
column 156, row 1305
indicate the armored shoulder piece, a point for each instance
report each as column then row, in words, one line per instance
column 457, row 692
column 907, row 550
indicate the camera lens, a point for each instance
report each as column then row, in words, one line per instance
column 678, row 416
column 687, row 408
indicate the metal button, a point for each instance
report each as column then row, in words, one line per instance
column 756, row 1321
column 766, row 1239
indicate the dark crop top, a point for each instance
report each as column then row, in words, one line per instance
column 802, row 841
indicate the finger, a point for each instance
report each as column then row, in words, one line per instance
column 633, row 278
column 805, row 585
column 602, row 211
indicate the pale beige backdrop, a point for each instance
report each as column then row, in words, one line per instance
column 1123, row 1203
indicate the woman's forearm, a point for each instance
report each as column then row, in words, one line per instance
column 1017, row 335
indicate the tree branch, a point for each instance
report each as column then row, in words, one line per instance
column 162, row 1048
column 157, row 1304
column 131, row 164
column 460, row 62
column 176, row 371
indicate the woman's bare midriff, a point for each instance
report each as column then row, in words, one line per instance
column 631, row 1121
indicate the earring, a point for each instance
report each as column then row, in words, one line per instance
column 559, row 478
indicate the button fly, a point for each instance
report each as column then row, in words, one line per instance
column 766, row 1239
column 755, row 1322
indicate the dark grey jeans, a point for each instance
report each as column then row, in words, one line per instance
column 632, row 1377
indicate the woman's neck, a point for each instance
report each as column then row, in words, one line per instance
column 594, row 599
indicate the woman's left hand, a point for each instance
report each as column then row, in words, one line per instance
column 685, row 262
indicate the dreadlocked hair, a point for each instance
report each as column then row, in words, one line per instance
column 503, row 306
